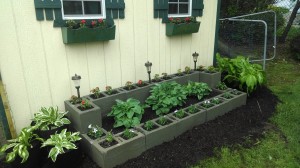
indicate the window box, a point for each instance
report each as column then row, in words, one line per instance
column 179, row 29
column 83, row 35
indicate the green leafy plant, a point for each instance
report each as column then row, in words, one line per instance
column 60, row 142
column 127, row 113
column 207, row 104
column 128, row 85
column 192, row 109
column 75, row 100
column 241, row 71
column 85, row 104
column 156, row 77
column 179, row 113
column 109, row 137
column 200, row 68
column 164, row 75
column 227, row 95
column 216, row 100
column 211, row 69
column 71, row 24
column 148, row 125
column 187, row 70
column 96, row 92
column 165, row 96
column 198, row 89
column 109, row 90
column 162, row 120
column 50, row 118
column 94, row 131
column 179, row 72
column 235, row 92
column 128, row 133
column 221, row 86
column 21, row 144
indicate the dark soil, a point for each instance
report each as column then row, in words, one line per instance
column 129, row 88
column 84, row 109
column 126, row 138
column 95, row 97
column 199, row 143
column 106, row 144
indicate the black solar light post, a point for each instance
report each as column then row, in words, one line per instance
column 76, row 80
column 148, row 66
column 195, row 57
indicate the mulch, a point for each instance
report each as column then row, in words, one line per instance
column 236, row 127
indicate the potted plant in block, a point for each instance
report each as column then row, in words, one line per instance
column 75, row 100
column 129, row 86
column 23, row 151
column 156, row 78
column 96, row 94
column 81, row 32
column 85, row 105
column 178, row 26
column 63, row 149
column 141, row 83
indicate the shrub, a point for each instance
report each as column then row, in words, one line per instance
column 248, row 76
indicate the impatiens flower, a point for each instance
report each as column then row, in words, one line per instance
column 187, row 19
column 100, row 20
column 140, row 82
column 170, row 19
column 82, row 21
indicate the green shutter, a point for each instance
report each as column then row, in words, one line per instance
column 115, row 9
column 197, row 8
column 161, row 8
column 48, row 6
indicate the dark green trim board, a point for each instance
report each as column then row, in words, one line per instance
column 114, row 10
column 217, row 32
column 4, row 120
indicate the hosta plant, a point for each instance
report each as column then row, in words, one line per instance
column 50, row 118
column 19, row 147
column 60, row 142
column 198, row 89
column 239, row 70
column 165, row 96
column 94, row 131
column 128, row 113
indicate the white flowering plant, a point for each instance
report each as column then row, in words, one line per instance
column 94, row 131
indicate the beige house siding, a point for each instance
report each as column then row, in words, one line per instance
column 36, row 66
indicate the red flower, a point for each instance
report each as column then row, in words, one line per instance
column 187, row 19
column 82, row 21
column 93, row 23
column 140, row 82
column 170, row 19
column 100, row 20
column 83, row 102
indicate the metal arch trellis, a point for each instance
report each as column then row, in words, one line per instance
column 242, row 19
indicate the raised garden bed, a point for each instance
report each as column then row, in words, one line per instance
column 105, row 157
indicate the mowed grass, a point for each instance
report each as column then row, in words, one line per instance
column 280, row 146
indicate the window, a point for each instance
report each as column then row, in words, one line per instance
column 179, row 8
column 83, row 9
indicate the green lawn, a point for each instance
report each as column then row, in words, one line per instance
column 281, row 145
